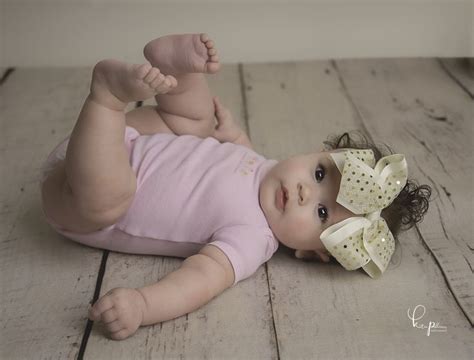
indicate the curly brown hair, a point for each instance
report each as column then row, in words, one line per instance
column 410, row 205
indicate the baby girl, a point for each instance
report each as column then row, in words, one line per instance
column 181, row 179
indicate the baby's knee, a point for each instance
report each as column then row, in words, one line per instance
column 207, row 127
column 203, row 127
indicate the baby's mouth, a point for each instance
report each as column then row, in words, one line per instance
column 281, row 198
column 285, row 196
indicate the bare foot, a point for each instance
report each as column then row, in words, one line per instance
column 178, row 54
column 116, row 83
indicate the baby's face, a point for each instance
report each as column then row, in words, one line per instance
column 298, row 198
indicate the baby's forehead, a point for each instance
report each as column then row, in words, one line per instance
column 330, row 166
column 327, row 155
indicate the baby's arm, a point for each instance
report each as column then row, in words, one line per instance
column 227, row 130
column 200, row 278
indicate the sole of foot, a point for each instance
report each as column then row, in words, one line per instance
column 187, row 53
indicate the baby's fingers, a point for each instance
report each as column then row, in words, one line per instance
column 114, row 326
column 219, row 108
column 103, row 304
column 109, row 316
column 217, row 103
column 121, row 334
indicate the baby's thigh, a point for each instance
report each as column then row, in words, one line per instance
column 60, row 207
column 147, row 121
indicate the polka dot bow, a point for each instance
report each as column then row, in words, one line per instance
column 366, row 189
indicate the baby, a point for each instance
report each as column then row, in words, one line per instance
column 171, row 180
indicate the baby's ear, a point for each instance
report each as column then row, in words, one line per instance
column 320, row 255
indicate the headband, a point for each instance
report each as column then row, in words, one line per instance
column 366, row 189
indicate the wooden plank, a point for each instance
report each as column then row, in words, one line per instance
column 439, row 149
column 47, row 280
column 289, row 111
column 462, row 71
column 237, row 322
column 321, row 310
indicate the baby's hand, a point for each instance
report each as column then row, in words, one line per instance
column 226, row 130
column 120, row 310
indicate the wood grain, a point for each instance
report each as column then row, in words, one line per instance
column 290, row 309
column 431, row 121
column 47, row 281
column 323, row 311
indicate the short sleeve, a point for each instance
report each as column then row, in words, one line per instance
column 246, row 247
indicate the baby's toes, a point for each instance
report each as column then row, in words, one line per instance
column 166, row 85
column 157, row 81
column 151, row 76
column 204, row 38
column 141, row 71
column 209, row 44
column 213, row 66
column 173, row 81
column 211, row 52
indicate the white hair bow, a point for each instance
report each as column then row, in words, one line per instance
column 365, row 241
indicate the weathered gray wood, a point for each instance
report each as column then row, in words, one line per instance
column 290, row 111
column 462, row 71
column 439, row 150
column 236, row 324
column 320, row 310
column 47, row 280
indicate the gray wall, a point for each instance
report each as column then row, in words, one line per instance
column 81, row 32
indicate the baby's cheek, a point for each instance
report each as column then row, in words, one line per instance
column 301, row 227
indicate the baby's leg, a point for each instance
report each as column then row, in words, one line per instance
column 188, row 108
column 95, row 185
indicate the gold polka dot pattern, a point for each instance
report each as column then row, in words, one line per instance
column 365, row 244
column 350, row 252
column 366, row 189
column 379, row 242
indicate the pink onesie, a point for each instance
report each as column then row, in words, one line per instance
column 190, row 192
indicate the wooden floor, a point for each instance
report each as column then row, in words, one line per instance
column 289, row 309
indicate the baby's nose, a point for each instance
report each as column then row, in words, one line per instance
column 303, row 194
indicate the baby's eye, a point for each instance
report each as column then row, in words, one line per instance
column 322, row 213
column 319, row 174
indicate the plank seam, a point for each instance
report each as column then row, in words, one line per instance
column 271, row 310
column 6, row 74
column 98, row 286
column 446, row 280
column 244, row 98
column 454, row 78
column 359, row 118
column 246, row 119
